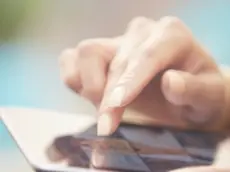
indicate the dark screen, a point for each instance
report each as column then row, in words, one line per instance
column 135, row 149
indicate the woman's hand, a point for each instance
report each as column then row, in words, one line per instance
column 157, row 68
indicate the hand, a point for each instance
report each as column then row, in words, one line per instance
column 157, row 68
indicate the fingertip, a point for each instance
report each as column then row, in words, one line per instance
column 116, row 97
column 72, row 79
column 69, row 73
column 104, row 125
column 93, row 92
column 173, row 87
column 109, row 121
column 67, row 53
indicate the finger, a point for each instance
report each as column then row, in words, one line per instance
column 69, row 71
column 168, row 42
column 109, row 121
column 95, row 57
column 201, row 169
column 137, row 31
column 93, row 76
column 203, row 93
column 200, row 91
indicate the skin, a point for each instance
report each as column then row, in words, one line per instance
column 155, row 67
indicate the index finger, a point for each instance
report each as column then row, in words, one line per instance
column 169, row 42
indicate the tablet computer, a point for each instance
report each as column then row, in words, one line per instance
column 59, row 142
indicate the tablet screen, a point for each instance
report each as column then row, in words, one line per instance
column 135, row 149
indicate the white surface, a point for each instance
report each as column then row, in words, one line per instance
column 34, row 130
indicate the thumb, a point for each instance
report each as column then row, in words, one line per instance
column 198, row 91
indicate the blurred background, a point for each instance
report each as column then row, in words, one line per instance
column 33, row 33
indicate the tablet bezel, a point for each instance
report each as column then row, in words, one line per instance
column 17, row 120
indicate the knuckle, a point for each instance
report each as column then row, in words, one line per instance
column 85, row 47
column 173, row 26
column 91, row 47
column 138, row 22
column 64, row 56
column 175, row 31
column 65, row 53
column 70, row 79
column 171, row 21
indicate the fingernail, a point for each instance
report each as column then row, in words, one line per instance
column 176, row 88
column 176, row 82
column 104, row 125
column 116, row 97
